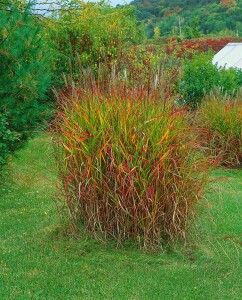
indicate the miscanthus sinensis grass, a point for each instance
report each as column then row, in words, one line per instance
column 220, row 117
column 130, row 165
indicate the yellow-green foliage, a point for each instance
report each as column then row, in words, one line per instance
column 220, row 117
column 89, row 33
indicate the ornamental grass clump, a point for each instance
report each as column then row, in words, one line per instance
column 130, row 165
column 220, row 118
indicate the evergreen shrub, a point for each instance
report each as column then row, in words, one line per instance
column 24, row 77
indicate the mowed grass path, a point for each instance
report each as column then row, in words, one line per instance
column 38, row 261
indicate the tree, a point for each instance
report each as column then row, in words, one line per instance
column 90, row 33
column 156, row 33
column 192, row 31
column 24, row 76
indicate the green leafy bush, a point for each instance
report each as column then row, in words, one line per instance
column 200, row 76
column 128, row 162
column 228, row 80
column 24, row 76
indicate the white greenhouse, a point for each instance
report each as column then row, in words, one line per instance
column 229, row 57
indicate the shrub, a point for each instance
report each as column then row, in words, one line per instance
column 88, row 34
column 129, row 164
column 203, row 44
column 200, row 76
column 220, row 117
column 24, row 76
column 8, row 139
column 229, row 80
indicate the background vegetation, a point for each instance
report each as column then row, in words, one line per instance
column 88, row 34
column 200, row 77
column 190, row 18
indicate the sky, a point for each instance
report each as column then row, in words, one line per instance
column 41, row 7
column 115, row 2
column 112, row 2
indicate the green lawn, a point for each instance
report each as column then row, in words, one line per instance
column 39, row 261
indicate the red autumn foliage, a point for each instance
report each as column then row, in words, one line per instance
column 200, row 45
column 227, row 2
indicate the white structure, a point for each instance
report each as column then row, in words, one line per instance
column 229, row 57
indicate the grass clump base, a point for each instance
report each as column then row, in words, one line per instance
column 129, row 164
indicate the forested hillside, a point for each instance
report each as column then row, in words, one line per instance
column 189, row 18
